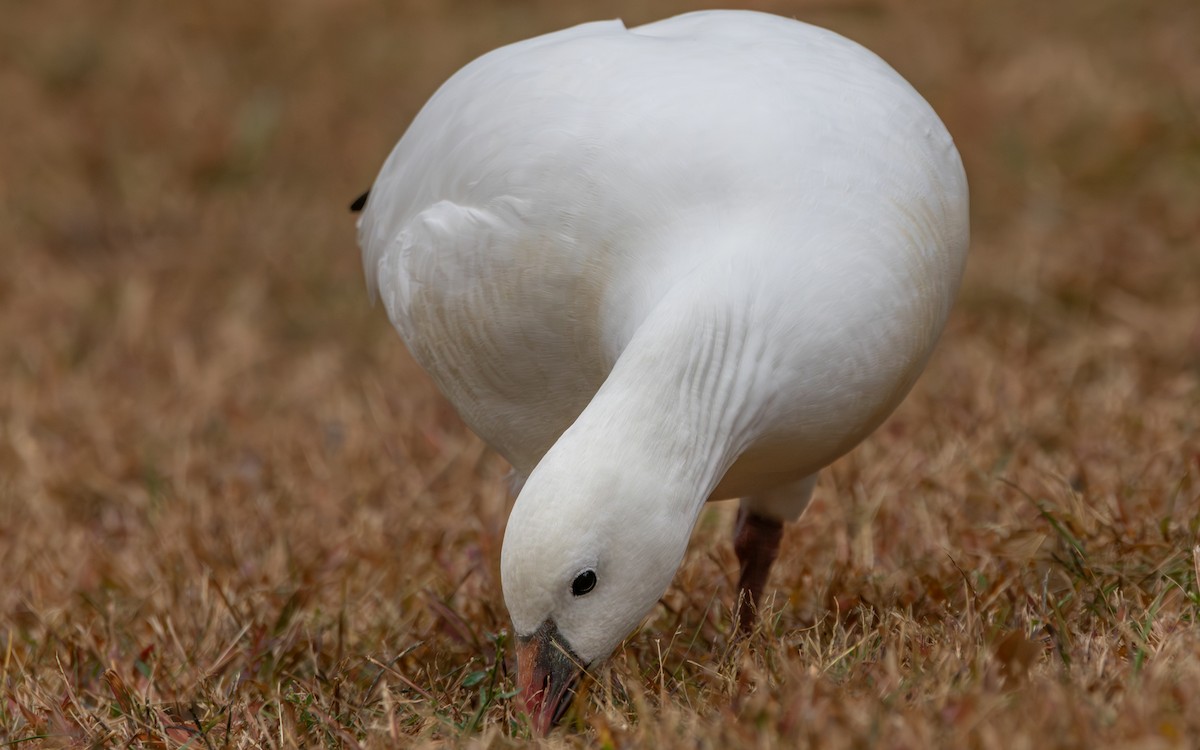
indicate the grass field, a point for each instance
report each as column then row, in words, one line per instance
column 233, row 512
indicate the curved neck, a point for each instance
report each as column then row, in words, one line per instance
column 675, row 412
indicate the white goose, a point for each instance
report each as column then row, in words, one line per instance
column 652, row 267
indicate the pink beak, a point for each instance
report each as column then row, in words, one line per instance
column 547, row 673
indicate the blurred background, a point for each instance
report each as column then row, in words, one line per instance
column 194, row 387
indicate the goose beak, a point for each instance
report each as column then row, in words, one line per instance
column 547, row 674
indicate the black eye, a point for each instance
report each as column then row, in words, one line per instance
column 583, row 583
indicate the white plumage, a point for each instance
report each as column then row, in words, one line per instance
column 692, row 260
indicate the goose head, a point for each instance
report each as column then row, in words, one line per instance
column 585, row 559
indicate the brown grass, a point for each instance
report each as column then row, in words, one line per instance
column 233, row 513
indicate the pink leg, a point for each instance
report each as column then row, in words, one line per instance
column 756, row 541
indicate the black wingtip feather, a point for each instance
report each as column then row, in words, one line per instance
column 359, row 202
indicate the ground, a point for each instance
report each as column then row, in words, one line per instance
column 234, row 513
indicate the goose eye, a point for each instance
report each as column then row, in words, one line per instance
column 583, row 583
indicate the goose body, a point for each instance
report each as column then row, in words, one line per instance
column 697, row 259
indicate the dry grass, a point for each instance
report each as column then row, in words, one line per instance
column 233, row 513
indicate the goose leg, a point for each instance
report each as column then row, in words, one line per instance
column 756, row 542
column 756, row 538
